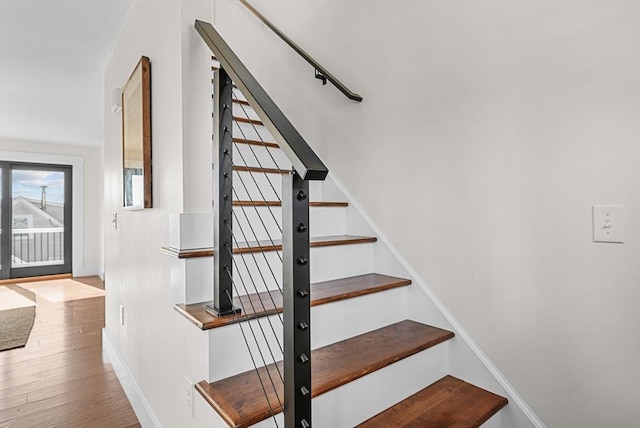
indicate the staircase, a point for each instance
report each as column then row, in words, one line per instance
column 371, row 364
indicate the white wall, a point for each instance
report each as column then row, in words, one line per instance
column 487, row 132
column 88, row 257
column 151, row 341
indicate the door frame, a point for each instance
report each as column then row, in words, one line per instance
column 7, row 270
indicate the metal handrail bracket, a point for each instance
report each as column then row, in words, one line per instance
column 304, row 160
column 320, row 72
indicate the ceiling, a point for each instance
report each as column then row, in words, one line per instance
column 53, row 54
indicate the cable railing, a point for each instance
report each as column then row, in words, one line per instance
column 37, row 246
column 261, row 232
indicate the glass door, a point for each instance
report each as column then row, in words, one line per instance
column 36, row 220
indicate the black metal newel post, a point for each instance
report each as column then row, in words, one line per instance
column 297, row 311
column 223, row 200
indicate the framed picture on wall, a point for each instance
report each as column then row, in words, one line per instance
column 136, row 138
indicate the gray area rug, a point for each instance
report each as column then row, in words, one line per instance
column 16, row 325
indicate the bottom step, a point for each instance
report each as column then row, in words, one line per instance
column 448, row 403
column 240, row 400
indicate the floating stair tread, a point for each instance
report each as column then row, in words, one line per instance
column 240, row 399
column 447, row 403
column 275, row 245
column 268, row 303
column 318, row 204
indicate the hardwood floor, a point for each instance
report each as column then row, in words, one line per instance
column 61, row 378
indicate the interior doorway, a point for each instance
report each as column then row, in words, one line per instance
column 35, row 219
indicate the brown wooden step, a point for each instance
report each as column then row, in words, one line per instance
column 256, row 122
column 320, row 241
column 256, row 143
column 268, row 303
column 447, row 403
column 275, row 245
column 242, row 168
column 317, row 204
column 241, row 102
column 240, row 399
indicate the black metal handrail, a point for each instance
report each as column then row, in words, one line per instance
column 303, row 158
column 321, row 72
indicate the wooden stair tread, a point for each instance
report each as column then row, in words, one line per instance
column 317, row 204
column 447, row 403
column 240, row 399
column 242, row 119
column 262, row 304
column 320, row 241
column 256, row 143
column 257, row 122
column 242, row 168
column 275, row 245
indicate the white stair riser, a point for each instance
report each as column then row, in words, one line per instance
column 251, row 132
column 330, row 323
column 261, row 223
column 193, row 278
column 327, row 263
column 259, row 186
column 251, row 155
column 495, row 421
column 238, row 95
column 363, row 398
column 241, row 110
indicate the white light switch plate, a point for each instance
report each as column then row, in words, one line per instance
column 607, row 223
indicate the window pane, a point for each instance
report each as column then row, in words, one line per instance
column 37, row 217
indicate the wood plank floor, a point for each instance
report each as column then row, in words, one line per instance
column 61, row 378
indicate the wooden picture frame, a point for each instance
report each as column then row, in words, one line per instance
column 136, row 138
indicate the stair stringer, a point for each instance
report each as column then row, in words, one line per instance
column 467, row 360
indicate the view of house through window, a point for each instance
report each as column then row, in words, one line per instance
column 36, row 215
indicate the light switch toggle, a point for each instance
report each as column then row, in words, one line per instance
column 607, row 223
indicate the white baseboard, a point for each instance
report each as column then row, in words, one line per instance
column 141, row 407
column 87, row 272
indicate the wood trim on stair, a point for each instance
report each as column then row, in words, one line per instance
column 276, row 245
column 318, row 204
column 248, row 120
column 240, row 400
column 187, row 254
column 321, row 241
column 256, row 143
column 449, row 402
column 269, row 303
column 242, row 168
